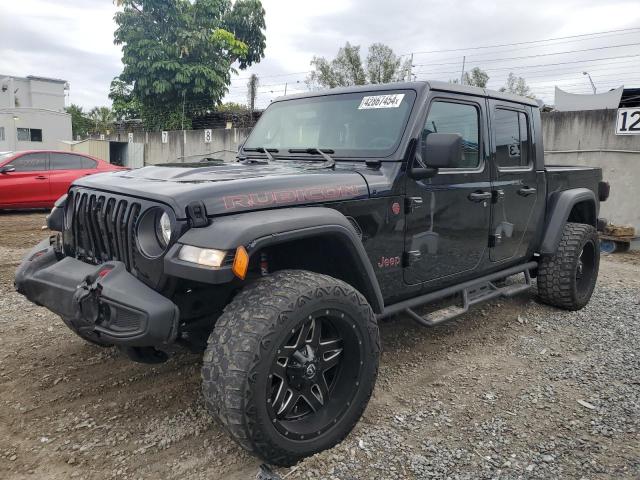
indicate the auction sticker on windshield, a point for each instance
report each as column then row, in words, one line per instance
column 381, row 101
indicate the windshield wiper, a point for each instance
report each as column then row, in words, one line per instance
column 266, row 151
column 329, row 161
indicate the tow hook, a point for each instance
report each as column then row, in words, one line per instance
column 148, row 355
column 87, row 298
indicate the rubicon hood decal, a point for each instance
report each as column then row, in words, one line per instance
column 228, row 188
column 293, row 196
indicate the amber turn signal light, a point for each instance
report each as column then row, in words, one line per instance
column 240, row 263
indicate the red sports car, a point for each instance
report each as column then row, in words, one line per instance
column 37, row 178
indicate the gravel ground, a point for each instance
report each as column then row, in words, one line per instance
column 514, row 389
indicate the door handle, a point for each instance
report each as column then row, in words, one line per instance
column 526, row 191
column 41, row 177
column 479, row 196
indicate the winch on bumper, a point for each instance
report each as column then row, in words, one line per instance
column 102, row 300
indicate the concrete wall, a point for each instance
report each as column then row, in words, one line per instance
column 55, row 126
column 95, row 148
column 190, row 145
column 588, row 138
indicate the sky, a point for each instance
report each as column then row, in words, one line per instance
column 73, row 40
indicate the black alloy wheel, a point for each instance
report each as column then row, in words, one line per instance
column 291, row 364
column 567, row 278
column 312, row 377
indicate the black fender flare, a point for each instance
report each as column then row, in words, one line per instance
column 560, row 206
column 256, row 230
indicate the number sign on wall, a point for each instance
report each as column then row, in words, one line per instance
column 628, row 121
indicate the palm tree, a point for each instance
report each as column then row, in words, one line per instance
column 102, row 119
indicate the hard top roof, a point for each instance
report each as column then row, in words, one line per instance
column 419, row 87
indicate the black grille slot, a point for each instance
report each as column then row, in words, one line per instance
column 103, row 227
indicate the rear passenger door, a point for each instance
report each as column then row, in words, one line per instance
column 65, row 168
column 515, row 181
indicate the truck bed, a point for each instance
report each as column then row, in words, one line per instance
column 563, row 177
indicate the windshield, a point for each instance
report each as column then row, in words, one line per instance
column 351, row 124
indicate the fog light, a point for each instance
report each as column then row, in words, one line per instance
column 202, row 256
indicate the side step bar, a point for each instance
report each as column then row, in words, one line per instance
column 472, row 292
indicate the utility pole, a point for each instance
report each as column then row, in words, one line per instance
column 285, row 89
column 464, row 59
column 183, row 92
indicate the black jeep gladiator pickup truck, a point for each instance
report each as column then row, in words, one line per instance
column 345, row 207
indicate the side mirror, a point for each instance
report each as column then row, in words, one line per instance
column 7, row 169
column 438, row 150
column 442, row 150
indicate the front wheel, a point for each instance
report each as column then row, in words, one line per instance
column 291, row 364
column 567, row 278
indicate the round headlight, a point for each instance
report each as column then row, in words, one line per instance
column 164, row 229
column 153, row 233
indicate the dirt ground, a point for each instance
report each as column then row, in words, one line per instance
column 512, row 390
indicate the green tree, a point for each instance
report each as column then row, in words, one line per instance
column 343, row 71
column 232, row 107
column 382, row 65
column 517, row 86
column 476, row 78
column 102, row 120
column 80, row 123
column 125, row 105
column 179, row 51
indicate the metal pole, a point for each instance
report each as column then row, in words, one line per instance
column 593, row 86
column 285, row 88
column 183, row 109
column 464, row 59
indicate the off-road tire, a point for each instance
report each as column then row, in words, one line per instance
column 557, row 280
column 93, row 339
column 244, row 342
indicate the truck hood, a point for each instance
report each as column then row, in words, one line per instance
column 231, row 187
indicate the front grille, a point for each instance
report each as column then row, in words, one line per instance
column 102, row 227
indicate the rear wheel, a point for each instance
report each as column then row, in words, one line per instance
column 567, row 278
column 291, row 364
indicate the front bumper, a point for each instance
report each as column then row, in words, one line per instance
column 101, row 300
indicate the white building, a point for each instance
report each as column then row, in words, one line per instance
column 32, row 115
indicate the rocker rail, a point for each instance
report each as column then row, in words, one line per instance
column 470, row 295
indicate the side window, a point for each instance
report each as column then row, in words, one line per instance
column 512, row 139
column 88, row 163
column 31, row 162
column 36, row 134
column 447, row 117
column 66, row 161
column 29, row 134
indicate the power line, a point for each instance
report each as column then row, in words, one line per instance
column 521, row 43
column 535, row 56
column 545, row 64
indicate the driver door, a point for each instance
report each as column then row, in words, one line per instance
column 448, row 215
column 28, row 185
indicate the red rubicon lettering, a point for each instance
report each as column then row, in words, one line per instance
column 283, row 197
column 236, row 201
